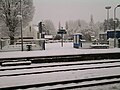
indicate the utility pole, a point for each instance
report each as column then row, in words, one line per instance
column 108, row 8
column 21, row 26
column 115, row 25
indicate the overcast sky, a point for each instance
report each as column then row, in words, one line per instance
column 64, row 10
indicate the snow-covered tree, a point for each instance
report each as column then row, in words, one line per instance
column 76, row 26
column 111, row 24
column 49, row 27
column 66, row 25
column 11, row 12
column 87, row 29
column 59, row 26
column 71, row 28
column 99, row 28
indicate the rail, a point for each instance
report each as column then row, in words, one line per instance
column 49, row 76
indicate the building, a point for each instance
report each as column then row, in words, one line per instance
column 30, row 31
column 111, row 33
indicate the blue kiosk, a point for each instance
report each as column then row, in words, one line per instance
column 77, row 43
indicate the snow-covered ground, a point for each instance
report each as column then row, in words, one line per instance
column 56, row 49
column 57, row 68
column 56, row 76
column 53, row 49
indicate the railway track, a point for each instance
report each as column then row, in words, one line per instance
column 58, row 76
column 59, row 64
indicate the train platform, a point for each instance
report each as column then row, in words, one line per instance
column 55, row 50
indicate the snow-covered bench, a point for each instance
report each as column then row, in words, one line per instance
column 99, row 46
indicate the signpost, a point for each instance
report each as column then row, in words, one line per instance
column 62, row 32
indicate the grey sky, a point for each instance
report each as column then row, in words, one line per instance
column 63, row 10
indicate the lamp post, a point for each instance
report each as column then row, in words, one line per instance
column 115, row 25
column 21, row 26
column 108, row 8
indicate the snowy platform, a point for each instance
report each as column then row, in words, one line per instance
column 55, row 49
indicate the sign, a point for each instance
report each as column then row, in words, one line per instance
column 62, row 31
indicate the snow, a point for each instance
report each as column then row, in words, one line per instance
column 57, row 68
column 57, row 76
column 60, row 63
column 16, row 63
column 74, row 84
column 55, row 49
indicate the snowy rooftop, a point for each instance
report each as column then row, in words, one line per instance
column 55, row 49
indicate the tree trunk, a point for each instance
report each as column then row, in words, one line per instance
column 12, row 40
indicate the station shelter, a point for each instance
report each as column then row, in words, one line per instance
column 77, row 41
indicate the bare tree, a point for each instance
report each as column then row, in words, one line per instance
column 49, row 27
column 9, row 12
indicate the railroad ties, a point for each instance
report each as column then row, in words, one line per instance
column 60, row 76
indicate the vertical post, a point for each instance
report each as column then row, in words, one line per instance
column 40, row 29
column 108, row 7
column 21, row 26
column 114, row 34
column 1, row 44
column 115, row 25
column 62, row 40
column 43, row 44
column 107, row 19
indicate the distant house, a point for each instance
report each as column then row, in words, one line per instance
column 30, row 31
